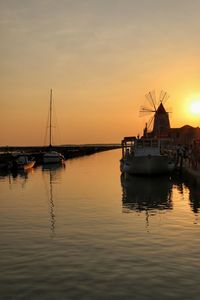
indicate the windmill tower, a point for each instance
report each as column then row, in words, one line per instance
column 160, row 118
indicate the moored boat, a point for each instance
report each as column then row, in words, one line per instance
column 23, row 162
column 152, row 153
column 145, row 157
column 52, row 156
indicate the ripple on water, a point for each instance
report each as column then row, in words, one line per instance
column 84, row 233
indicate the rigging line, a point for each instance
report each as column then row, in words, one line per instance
column 46, row 129
column 51, row 126
column 50, row 122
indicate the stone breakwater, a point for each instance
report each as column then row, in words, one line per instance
column 37, row 152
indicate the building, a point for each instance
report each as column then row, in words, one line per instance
column 185, row 135
column 161, row 129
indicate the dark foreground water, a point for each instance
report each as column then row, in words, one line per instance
column 83, row 232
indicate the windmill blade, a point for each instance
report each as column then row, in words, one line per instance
column 146, row 109
column 164, row 96
column 151, row 97
column 144, row 113
column 151, row 101
column 150, row 122
column 148, row 99
column 169, row 110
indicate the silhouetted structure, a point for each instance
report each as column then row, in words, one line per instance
column 184, row 135
column 161, row 124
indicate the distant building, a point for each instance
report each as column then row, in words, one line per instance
column 185, row 135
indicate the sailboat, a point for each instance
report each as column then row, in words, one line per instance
column 52, row 156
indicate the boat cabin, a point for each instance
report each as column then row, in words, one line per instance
column 140, row 147
column 145, row 147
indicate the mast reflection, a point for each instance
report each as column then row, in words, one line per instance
column 52, row 170
column 146, row 193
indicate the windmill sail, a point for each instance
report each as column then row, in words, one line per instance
column 160, row 118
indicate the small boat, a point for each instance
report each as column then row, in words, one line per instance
column 144, row 156
column 23, row 162
column 52, row 156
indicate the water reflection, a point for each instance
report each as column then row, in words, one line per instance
column 19, row 177
column 52, row 170
column 145, row 193
column 184, row 185
column 194, row 196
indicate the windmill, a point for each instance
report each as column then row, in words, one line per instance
column 160, row 117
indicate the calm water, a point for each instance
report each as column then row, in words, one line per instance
column 83, row 232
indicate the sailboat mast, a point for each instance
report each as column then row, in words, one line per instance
column 50, row 119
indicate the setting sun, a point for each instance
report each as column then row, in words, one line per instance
column 195, row 107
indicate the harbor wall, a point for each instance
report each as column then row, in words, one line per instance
column 68, row 151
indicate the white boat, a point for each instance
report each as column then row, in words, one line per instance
column 23, row 162
column 52, row 156
column 152, row 153
column 145, row 156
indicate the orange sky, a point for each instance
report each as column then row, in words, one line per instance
column 100, row 58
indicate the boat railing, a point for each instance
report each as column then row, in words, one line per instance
column 133, row 145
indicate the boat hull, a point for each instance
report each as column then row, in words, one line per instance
column 53, row 158
column 27, row 166
column 147, row 165
column 22, row 162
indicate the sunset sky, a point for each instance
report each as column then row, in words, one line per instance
column 100, row 57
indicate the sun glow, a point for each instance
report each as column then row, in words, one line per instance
column 195, row 107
